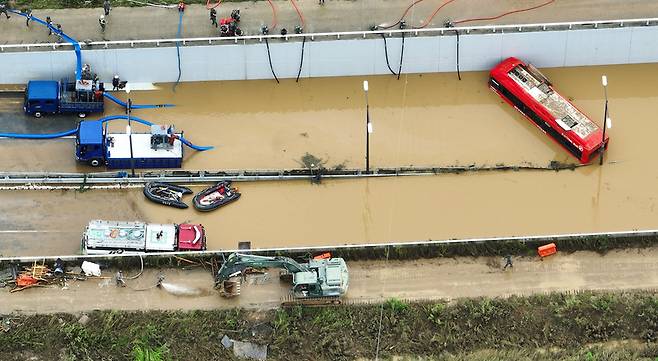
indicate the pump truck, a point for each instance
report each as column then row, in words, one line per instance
column 82, row 97
column 315, row 283
column 59, row 97
column 161, row 148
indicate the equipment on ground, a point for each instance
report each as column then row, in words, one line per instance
column 216, row 196
column 167, row 194
column 318, row 282
column 110, row 237
column 83, row 97
column 229, row 26
column 161, row 148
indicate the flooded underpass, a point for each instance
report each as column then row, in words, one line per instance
column 428, row 120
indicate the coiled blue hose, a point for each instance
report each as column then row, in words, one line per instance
column 76, row 45
column 102, row 120
column 135, row 106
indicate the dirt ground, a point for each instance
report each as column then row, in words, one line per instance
column 371, row 281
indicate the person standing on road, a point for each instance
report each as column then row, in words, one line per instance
column 49, row 22
column 3, row 9
column 28, row 16
column 102, row 22
column 115, row 83
column 181, row 6
column 508, row 262
column 107, row 7
column 213, row 17
column 59, row 33
column 321, row 2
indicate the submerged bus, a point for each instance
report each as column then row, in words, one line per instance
column 530, row 92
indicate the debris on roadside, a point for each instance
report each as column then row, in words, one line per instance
column 91, row 269
column 245, row 350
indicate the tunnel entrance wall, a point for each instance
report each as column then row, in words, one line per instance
column 349, row 57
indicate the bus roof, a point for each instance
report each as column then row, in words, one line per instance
column 570, row 119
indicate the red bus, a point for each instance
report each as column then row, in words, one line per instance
column 530, row 92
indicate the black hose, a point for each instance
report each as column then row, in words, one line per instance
column 386, row 54
column 269, row 57
column 458, row 73
column 301, row 62
column 401, row 57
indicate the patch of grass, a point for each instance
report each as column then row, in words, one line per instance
column 541, row 327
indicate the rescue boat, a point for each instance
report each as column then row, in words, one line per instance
column 167, row 194
column 216, row 196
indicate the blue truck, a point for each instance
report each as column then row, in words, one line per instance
column 54, row 97
column 161, row 148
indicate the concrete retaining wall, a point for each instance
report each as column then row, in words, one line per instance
column 344, row 57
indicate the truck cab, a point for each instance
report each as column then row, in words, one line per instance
column 52, row 97
column 89, row 145
column 41, row 97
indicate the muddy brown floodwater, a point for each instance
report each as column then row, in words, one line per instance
column 421, row 120
column 429, row 119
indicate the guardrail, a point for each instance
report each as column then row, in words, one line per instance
column 479, row 29
column 315, row 249
column 122, row 178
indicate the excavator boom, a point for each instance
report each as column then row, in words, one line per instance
column 319, row 278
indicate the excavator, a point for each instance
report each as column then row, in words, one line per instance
column 321, row 281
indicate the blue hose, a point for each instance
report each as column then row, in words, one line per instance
column 76, row 45
column 102, row 120
column 38, row 136
column 135, row 106
column 178, row 35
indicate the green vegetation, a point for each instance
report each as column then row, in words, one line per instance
column 582, row 326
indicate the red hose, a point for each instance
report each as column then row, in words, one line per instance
column 429, row 19
column 301, row 17
column 274, row 20
column 403, row 14
column 506, row 13
column 208, row 6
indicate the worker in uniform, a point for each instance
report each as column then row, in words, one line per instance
column 213, row 17
column 107, row 7
column 59, row 267
column 50, row 24
column 59, row 33
column 102, row 22
column 115, row 83
column 119, row 279
column 3, row 9
column 28, row 16
column 508, row 262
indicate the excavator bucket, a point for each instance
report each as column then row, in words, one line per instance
column 231, row 288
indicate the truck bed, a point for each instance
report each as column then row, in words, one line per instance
column 118, row 152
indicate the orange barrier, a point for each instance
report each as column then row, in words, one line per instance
column 325, row 255
column 547, row 250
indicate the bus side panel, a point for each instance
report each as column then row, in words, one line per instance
column 535, row 118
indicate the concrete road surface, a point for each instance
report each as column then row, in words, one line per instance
column 335, row 15
column 370, row 281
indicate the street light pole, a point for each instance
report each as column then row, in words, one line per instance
column 129, row 130
column 604, row 82
column 368, row 127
